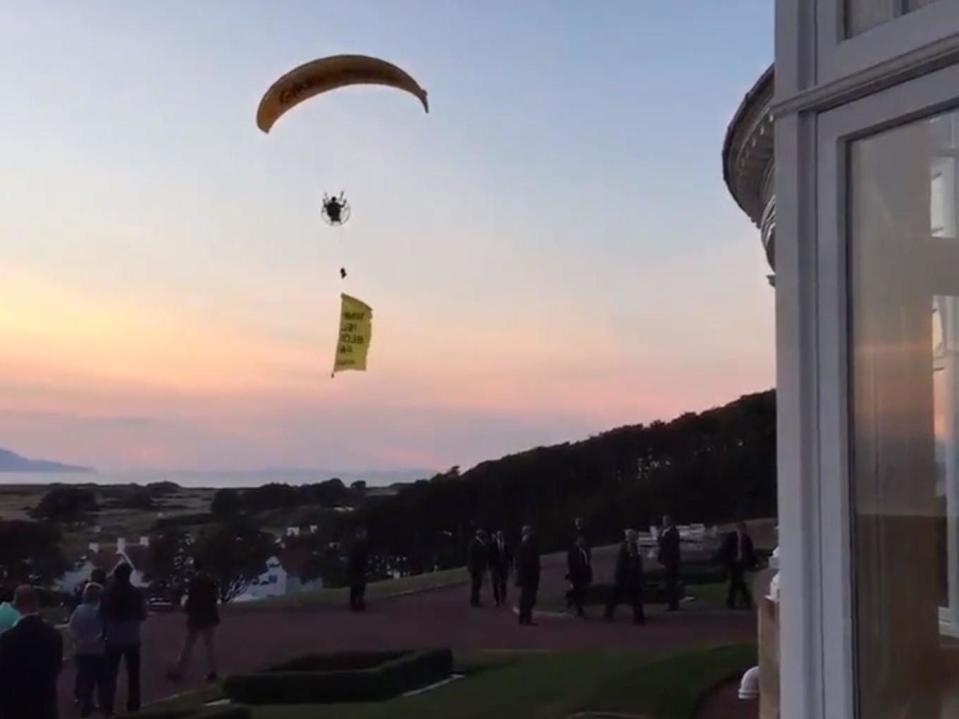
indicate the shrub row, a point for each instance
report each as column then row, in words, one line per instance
column 395, row 675
column 337, row 661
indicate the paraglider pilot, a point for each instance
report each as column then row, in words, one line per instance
column 334, row 208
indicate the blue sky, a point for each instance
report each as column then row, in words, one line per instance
column 551, row 251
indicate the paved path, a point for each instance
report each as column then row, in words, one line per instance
column 247, row 640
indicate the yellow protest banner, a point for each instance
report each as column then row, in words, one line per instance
column 355, row 332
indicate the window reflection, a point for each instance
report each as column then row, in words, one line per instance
column 904, row 400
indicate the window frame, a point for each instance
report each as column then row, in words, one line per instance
column 836, row 130
column 840, row 56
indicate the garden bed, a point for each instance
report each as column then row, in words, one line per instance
column 344, row 677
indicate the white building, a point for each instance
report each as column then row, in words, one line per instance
column 105, row 556
column 860, row 218
column 276, row 581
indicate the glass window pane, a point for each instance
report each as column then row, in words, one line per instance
column 904, row 412
column 864, row 14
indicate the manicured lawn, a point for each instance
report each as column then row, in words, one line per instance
column 389, row 587
column 551, row 686
column 671, row 687
column 386, row 588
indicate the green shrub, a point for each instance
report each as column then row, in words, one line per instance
column 336, row 661
column 393, row 673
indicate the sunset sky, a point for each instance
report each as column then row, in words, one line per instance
column 549, row 253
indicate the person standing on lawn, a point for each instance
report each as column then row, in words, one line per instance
column 8, row 613
column 97, row 576
column 739, row 556
column 31, row 655
column 123, row 610
column 86, row 630
column 628, row 579
column 357, row 565
column 669, row 557
column 579, row 572
column 527, row 575
column 477, row 561
column 500, row 563
column 202, row 618
column 579, row 533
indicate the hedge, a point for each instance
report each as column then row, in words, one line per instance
column 228, row 711
column 393, row 674
column 336, row 661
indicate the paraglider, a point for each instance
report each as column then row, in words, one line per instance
column 336, row 210
column 331, row 73
column 299, row 85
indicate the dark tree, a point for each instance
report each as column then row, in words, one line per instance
column 140, row 498
column 226, row 504
column 169, row 553
column 66, row 504
column 235, row 555
column 708, row 467
column 30, row 552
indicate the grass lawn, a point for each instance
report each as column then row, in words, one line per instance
column 554, row 685
column 385, row 588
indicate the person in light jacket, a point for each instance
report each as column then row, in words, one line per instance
column 86, row 629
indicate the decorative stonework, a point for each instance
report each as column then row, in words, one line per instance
column 748, row 160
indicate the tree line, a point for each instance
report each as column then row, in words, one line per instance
column 331, row 493
column 709, row 467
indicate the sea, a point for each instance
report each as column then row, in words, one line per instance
column 226, row 478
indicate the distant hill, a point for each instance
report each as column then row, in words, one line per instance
column 12, row 462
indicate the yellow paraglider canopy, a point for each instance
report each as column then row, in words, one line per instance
column 330, row 73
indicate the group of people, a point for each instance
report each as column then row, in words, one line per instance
column 496, row 557
column 493, row 556
column 106, row 630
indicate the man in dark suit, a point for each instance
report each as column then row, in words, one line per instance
column 669, row 557
column 739, row 556
column 477, row 561
column 629, row 579
column 579, row 572
column 527, row 575
column 357, row 569
column 31, row 654
column 500, row 563
column 579, row 532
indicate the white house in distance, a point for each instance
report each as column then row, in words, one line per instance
column 283, row 575
column 859, row 214
column 106, row 556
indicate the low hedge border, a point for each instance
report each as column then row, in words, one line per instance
column 398, row 673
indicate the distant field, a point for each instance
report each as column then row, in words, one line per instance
column 17, row 501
